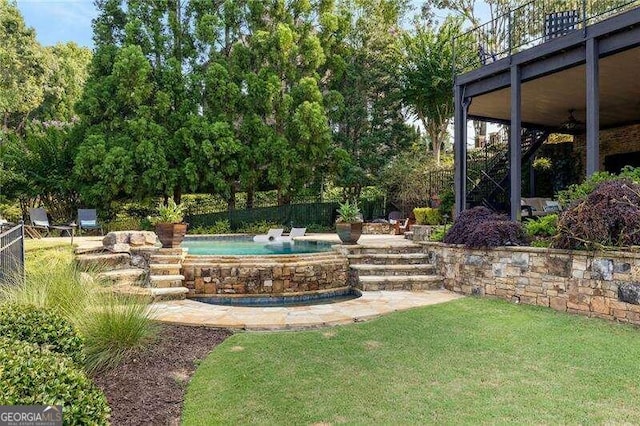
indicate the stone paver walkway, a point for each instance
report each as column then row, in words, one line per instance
column 371, row 305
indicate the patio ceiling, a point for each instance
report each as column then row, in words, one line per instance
column 546, row 101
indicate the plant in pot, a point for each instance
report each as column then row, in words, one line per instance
column 349, row 223
column 169, row 224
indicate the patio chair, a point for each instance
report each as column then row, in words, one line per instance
column 40, row 225
column 395, row 217
column 295, row 232
column 88, row 220
column 272, row 235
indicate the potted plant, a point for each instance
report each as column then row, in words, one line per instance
column 170, row 227
column 349, row 223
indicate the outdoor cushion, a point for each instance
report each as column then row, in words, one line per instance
column 88, row 223
column 40, row 223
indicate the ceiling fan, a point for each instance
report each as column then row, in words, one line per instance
column 572, row 124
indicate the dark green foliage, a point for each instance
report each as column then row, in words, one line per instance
column 545, row 226
column 447, row 201
column 608, row 217
column 480, row 227
column 437, row 235
column 43, row 327
column 31, row 375
column 579, row 191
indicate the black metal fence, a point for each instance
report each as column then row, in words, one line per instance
column 440, row 181
column 321, row 214
column 12, row 254
column 533, row 23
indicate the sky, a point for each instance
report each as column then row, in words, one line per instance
column 65, row 20
column 60, row 20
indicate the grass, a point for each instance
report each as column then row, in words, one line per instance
column 464, row 362
column 112, row 325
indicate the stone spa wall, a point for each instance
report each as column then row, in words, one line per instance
column 206, row 275
column 599, row 284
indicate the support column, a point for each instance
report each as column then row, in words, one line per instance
column 593, row 106
column 515, row 144
column 460, row 150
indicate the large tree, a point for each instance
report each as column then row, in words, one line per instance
column 428, row 77
column 363, row 42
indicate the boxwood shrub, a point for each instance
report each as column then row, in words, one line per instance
column 32, row 375
column 43, row 327
column 427, row 216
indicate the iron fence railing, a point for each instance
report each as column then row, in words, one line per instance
column 12, row 255
column 439, row 181
column 528, row 25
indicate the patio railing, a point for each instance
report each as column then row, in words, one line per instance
column 529, row 25
column 12, row 255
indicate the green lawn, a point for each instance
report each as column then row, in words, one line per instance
column 468, row 361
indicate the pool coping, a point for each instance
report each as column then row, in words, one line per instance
column 372, row 304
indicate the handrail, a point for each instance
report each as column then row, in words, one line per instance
column 531, row 24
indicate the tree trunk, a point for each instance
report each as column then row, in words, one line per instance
column 177, row 194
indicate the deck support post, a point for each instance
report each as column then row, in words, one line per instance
column 515, row 144
column 460, row 150
column 593, row 106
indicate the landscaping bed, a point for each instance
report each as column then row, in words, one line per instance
column 148, row 387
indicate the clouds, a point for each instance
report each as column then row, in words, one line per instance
column 60, row 20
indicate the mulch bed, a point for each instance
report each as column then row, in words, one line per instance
column 149, row 386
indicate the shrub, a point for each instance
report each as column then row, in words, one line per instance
column 34, row 376
column 496, row 233
column 437, row 235
column 545, row 226
column 447, row 201
column 480, row 227
column 578, row 192
column 115, row 328
column 609, row 216
column 219, row 227
column 43, row 327
column 427, row 216
column 261, row 227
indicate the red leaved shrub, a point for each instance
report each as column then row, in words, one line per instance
column 480, row 227
column 609, row 216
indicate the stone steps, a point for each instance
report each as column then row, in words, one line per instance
column 166, row 281
column 401, row 282
column 388, row 258
column 164, row 269
column 378, row 249
column 165, row 258
column 133, row 276
column 165, row 294
column 101, row 261
column 393, row 270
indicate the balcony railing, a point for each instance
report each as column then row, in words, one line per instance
column 529, row 25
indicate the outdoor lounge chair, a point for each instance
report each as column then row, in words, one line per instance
column 88, row 220
column 40, row 225
column 272, row 235
column 295, row 232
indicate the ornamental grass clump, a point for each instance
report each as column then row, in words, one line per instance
column 608, row 217
column 480, row 227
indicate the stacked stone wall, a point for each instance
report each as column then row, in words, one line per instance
column 599, row 284
column 265, row 278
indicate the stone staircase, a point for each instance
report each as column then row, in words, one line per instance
column 406, row 267
column 165, row 279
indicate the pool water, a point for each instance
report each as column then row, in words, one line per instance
column 246, row 247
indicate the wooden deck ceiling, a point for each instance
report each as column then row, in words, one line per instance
column 547, row 100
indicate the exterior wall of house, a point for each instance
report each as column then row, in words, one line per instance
column 619, row 140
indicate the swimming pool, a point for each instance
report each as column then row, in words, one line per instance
column 245, row 246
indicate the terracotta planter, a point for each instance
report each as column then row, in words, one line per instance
column 171, row 234
column 349, row 233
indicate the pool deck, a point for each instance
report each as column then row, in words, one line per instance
column 371, row 305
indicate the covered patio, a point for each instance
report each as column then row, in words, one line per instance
column 584, row 83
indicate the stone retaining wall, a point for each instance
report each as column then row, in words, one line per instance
column 377, row 229
column 600, row 284
column 208, row 277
